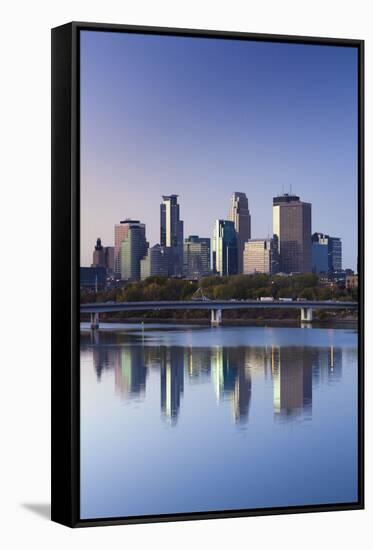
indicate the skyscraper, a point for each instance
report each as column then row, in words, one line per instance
column 156, row 262
column 132, row 249
column 261, row 256
column 224, row 248
column 334, row 254
column 120, row 233
column 172, row 231
column 197, row 256
column 326, row 253
column 239, row 214
column 320, row 253
column 292, row 226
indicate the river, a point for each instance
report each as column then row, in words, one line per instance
column 178, row 419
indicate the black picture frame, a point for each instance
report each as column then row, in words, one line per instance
column 65, row 272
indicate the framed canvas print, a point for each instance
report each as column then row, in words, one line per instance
column 207, row 274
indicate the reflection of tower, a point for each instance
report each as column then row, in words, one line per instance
column 130, row 371
column 101, row 359
column 172, row 381
column 335, row 363
column 242, row 395
column 292, row 380
column 327, row 364
column 232, row 379
column 197, row 362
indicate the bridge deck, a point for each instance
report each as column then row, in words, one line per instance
column 107, row 307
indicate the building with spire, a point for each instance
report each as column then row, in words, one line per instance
column 239, row 214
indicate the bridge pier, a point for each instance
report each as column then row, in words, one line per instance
column 95, row 321
column 216, row 316
column 306, row 314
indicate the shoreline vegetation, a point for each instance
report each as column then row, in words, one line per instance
column 305, row 286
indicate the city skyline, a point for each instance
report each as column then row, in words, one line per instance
column 260, row 118
column 292, row 247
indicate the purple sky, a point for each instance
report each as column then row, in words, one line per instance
column 205, row 117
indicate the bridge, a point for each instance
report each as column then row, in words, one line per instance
column 216, row 307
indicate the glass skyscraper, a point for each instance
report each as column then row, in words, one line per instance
column 156, row 262
column 224, row 248
column 239, row 214
column 334, row 254
column 120, row 233
column 172, row 231
column 292, row 226
column 132, row 249
column 197, row 256
column 326, row 253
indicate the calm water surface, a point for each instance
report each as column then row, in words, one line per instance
column 183, row 419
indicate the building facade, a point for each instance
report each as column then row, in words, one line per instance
column 261, row 256
column 292, row 227
column 133, row 248
column 103, row 256
column 172, row 231
column 120, row 233
column 156, row 262
column 197, row 252
column 224, row 248
column 239, row 214
column 93, row 278
column 326, row 254
column 334, row 254
column 320, row 253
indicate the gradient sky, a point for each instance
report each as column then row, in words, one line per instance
column 205, row 117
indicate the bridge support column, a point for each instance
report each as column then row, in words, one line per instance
column 306, row 314
column 216, row 316
column 95, row 321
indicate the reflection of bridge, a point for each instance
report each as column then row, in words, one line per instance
column 216, row 307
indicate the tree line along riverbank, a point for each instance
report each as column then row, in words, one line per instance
column 236, row 287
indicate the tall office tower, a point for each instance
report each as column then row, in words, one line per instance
column 261, row 256
column 156, row 262
column 292, row 226
column 326, row 253
column 120, row 233
column 334, row 254
column 320, row 253
column 224, row 248
column 197, row 257
column 132, row 249
column 172, row 231
column 239, row 214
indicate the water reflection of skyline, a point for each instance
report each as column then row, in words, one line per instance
column 293, row 371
